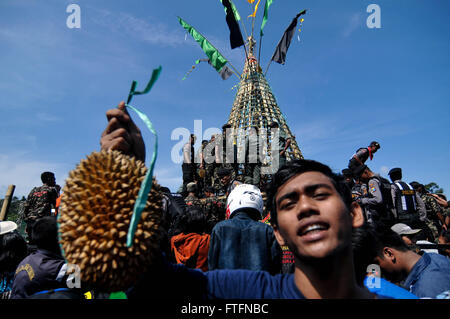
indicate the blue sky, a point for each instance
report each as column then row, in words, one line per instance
column 343, row 85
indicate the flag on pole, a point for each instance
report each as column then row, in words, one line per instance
column 236, row 39
column 256, row 9
column 279, row 55
column 217, row 60
column 266, row 16
column 224, row 73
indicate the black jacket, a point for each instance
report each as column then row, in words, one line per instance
column 37, row 272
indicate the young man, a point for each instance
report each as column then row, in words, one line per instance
column 408, row 235
column 425, row 276
column 40, row 201
column 312, row 213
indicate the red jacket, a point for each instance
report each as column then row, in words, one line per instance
column 191, row 250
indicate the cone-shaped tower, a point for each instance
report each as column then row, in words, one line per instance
column 255, row 105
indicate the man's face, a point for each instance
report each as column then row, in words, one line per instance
column 373, row 149
column 313, row 220
column 364, row 176
column 225, row 179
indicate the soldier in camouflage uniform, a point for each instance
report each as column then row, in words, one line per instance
column 284, row 142
column 434, row 210
column 209, row 161
column 442, row 200
column 40, row 201
column 192, row 199
column 226, row 185
column 226, row 156
column 252, row 170
column 213, row 208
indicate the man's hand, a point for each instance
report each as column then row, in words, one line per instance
column 122, row 134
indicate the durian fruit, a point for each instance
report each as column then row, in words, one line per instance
column 96, row 208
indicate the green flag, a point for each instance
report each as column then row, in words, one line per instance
column 236, row 13
column 266, row 16
column 217, row 59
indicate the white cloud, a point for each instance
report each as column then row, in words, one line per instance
column 25, row 173
column 354, row 22
column 147, row 31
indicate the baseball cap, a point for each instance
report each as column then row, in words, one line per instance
column 7, row 226
column 403, row 229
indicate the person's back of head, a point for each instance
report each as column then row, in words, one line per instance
column 395, row 174
column 386, row 237
column 418, row 187
column 48, row 178
column 13, row 249
column 194, row 221
column 297, row 167
column 45, row 234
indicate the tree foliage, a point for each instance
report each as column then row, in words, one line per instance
column 14, row 210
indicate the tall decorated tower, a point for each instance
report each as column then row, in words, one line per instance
column 256, row 106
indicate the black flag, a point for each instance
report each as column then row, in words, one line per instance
column 279, row 55
column 236, row 39
column 225, row 73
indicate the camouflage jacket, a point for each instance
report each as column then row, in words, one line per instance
column 432, row 206
column 193, row 201
column 40, row 202
column 215, row 209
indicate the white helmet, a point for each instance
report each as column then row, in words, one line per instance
column 244, row 196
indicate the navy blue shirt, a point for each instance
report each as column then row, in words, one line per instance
column 181, row 282
column 430, row 276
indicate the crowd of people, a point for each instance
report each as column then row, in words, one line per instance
column 311, row 233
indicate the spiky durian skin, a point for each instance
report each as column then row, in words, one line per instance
column 96, row 208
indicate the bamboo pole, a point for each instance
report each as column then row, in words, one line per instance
column 7, row 202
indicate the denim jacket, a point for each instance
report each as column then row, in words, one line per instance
column 243, row 243
column 429, row 277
